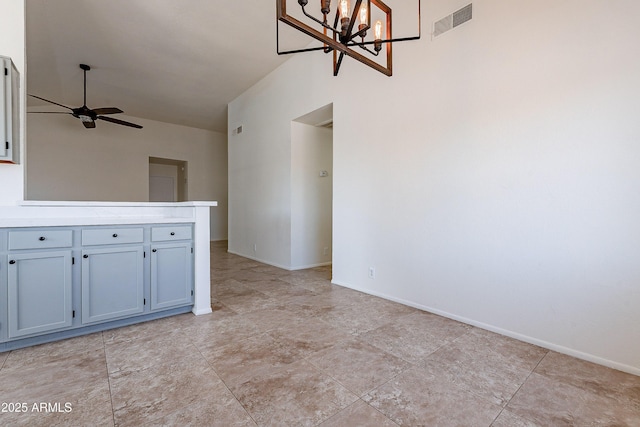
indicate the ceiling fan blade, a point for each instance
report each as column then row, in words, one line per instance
column 119, row 122
column 107, row 110
column 48, row 112
column 89, row 124
column 51, row 102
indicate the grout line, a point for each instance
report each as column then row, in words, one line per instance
column 106, row 366
column 521, row 385
column 224, row 382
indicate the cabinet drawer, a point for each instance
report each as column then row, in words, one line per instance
column 163, row 234
column 40, row 239
column 112, row 236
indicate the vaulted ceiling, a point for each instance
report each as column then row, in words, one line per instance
column 173, row 61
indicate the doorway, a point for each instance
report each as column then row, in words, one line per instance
column 167, row 180
column 312, row 188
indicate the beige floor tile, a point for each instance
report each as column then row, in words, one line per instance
column 508, row 419
column 3, row 358
column 221, row 311
column 489, row 365
column 125, row 357
column 357, row 365
column 78, row 380
column 91, row 407
column 46, row 379
column 358, row 414
column 208, row 332
column 46, row 354
column 550, row 402
column 314, row 304
column 354, row 319
column 161, row 390
column 415, row 336
column 594, row 378
column 267, row 320
column 295, row 395
column 218, row 408
column 146, row 329
column 420, row 398
column 276, row 288
column 248, row 301
column 309, row 336
column 238, row 362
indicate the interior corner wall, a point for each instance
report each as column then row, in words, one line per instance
column 311, row 195
column 493, row 179
column 12, row 44
column 111, row 163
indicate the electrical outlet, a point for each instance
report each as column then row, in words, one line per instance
column 372, row 273
column 326, row 251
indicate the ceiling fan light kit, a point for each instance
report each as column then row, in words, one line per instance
column 343, row 37
column 87, row 115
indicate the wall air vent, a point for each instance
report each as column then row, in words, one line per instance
column 449, row 22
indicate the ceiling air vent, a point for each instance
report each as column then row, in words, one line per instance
column 449, row 22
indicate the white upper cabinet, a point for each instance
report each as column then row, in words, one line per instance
column 9, row 112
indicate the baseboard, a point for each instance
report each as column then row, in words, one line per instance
column 262, row 261
column 259, row 260
column 520, row 337
column 304, row 267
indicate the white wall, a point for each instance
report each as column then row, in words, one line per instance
column 311, row 195
column 12, row 44
column 111, row 162
column 493, row 179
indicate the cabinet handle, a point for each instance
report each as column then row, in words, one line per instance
column 12, row 262
column 115, row 234
column 173, row 233
column 85, row 256
column 154, row 250
column 42, row 238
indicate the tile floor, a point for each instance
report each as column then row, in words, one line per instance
column 290, row 349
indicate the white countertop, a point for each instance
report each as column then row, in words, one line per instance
column 55, row 203
column 36, row 213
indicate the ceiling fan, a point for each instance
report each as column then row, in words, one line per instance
column 86, row 114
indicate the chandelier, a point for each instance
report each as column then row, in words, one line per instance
column 349, row 33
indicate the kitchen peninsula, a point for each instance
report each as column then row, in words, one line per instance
column 71, row 268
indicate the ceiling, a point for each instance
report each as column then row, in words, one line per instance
column 173, row 61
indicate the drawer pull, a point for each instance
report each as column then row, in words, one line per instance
column 12, row 262
column 173, row 233
column 85, row 256
column 42, row 238
column 154, row 250
column 115, row 234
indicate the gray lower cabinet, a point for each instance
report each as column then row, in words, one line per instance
column 59, row 282
column 171, row 275
column 112, row 283
column 39, row 292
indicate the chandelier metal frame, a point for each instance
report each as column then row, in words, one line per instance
column 341, row 38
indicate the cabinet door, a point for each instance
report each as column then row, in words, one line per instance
column 39, row 292
column 112, row 283
column 171, row 275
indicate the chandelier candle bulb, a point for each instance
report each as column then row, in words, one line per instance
column 344, row 20
column 364, row 15
column 377, row 45
column 344, row 8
